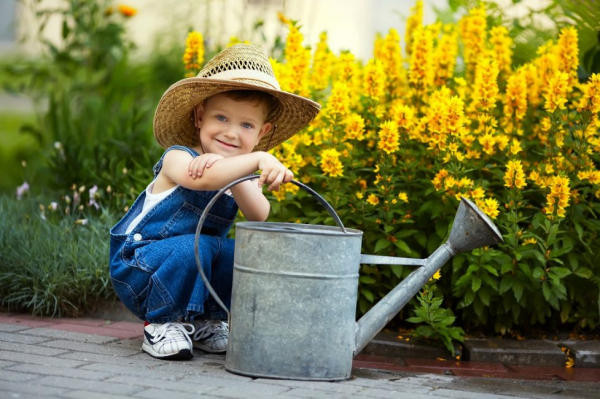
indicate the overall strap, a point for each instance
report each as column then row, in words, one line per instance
column 156, row 169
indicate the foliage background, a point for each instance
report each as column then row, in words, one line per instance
column 370, row 153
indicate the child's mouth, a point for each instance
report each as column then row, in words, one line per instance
column 227, row 144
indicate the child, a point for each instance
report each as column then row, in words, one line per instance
column 216, row 128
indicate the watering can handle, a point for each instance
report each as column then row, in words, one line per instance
column 214, row 199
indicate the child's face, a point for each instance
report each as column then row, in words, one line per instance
column 229, row 127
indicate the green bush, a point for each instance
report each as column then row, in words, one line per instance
column 51, row 262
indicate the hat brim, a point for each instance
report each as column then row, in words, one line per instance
column 173, row 124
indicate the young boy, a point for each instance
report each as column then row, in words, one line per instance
column 216, row 128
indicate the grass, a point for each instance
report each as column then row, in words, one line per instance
column 55, row 266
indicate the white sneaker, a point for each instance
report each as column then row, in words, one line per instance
column 211, row 335
column 168, row 341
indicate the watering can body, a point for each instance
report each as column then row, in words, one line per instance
column 295, row 289
column 294, row 299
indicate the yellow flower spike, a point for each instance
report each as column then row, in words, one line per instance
column 473, row 33
column 322, row 65
column 414, row 20
column 374, row 79
column 501, row 47
column 485, row 90
column 514, row 176
column 420, row 73
column 567, row 52
column 338, row 104
column 389, row 139
column 193, row 56
column 355, row 127
column 490, row 207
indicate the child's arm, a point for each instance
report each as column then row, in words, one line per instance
column 249, row 198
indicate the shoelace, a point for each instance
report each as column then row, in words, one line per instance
column 212, row 326
column 175, row 330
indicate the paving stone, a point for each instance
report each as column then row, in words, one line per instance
column 13, row 327
column 449, row 393
column 72, row 336
column 89, row 385
column 138, row 370
column 388, row 344
column 99, row 358
column 338, row 387
column 94, row 395
column 19, row 338
column 561, row 373
column 62, row 372
column 172, row 386
column 154, row 393
column 250, row 391
column 213, row 381
column 586, row 353
column 89, row 347
column 384, row 393
column 11, row 375
column 315, row 393
column 32, row 349
column 8, row 387
column 526, row 352
column 496, row 374
column 37, row 359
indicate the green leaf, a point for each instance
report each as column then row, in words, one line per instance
column 367, row 294
column 484, row 295
column 367, row 279
column 475, row 283
column 421, row 239
column 506, row 283
column 382, row 243
column 506, row 267
column 546, row 290
column 538, row 272
column 560, row 272
column 584, row 273
column 415, row 320
column 402, row 246
column 397, row 269
column 518, row 290
column 405, row 233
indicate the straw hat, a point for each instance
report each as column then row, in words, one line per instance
column 239, row 67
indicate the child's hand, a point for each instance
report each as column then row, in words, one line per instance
column 274, row 173
column 197, row 165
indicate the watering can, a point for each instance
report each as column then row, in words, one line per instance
column 295, row 290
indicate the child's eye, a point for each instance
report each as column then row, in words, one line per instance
column 247, row 125
column 221, row 118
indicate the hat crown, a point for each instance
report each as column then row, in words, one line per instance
column 242, row 62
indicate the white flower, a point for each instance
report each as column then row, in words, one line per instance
column 57, row 145
column 53, row 206
column 22, row 189
column 82, row 222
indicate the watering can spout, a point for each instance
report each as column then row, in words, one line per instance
column 471, row 229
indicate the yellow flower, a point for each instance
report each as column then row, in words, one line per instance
column 298, row 61
column 127, row 11
column 514, row 176
column 413, row 21
column 501, row 47
column 389, row 139
column 529, row 241
column 331, row 164
column 193, row 56
column 403, row 196
column 437, row 275
column 556, row 94
column 282, row 18
column 490, row 207
column 567, row 52
column 590, row 95
column 373, row 200
column 558, row 197
column 359, row 195
column 355, row 127
column 322, row 64
column 338, row 104
column 420, row 73
column 374, row 79
column 485, row 90
column 444, row 58
column 516, row 95
column 439, row 179
column 473, row 31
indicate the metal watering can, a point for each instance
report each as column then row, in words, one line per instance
column 295, row 290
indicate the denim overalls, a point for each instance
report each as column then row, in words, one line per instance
column 153, row 268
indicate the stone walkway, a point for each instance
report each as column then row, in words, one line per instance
column 95, row 358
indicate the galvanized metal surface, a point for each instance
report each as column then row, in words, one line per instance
column 294, row 301
column 390, row 260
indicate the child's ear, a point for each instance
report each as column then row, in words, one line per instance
column 198, row 113
column 266, row 128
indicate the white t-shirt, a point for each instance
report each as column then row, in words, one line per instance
column 150, row 202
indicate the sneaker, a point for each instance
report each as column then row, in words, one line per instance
column 210, row 336
column 168, row 341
